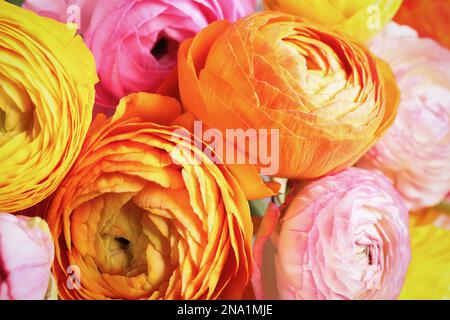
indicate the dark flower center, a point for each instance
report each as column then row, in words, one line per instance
column 160, row 48
column 123, row 242
column 165, row 50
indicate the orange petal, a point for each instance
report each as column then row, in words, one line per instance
column 149, row 107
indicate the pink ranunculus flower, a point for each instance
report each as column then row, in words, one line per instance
column 135, row 42
column 415, row 153
column 26, row 257
column 344, row 236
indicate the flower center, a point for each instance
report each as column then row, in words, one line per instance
column 165, row 49
column 160, row 48
column 15, row 118
column 125, row 242
column 364, row 253
column 122, row 242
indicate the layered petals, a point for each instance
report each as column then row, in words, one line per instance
column 47, row 78
column 328, row 96
column 344, row 236
column 141, row 220
column 415, row 152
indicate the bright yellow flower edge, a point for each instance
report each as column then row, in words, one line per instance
column 47, row 78
column 362, row 19
column 428, row 276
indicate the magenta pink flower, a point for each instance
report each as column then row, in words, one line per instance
column 344, row 236
column 135, row 42
column 26, row 256
column 415, row 152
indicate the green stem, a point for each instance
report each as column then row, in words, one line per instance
column 16, row 2
column 443, row 207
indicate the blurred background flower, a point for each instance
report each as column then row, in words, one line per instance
column 361, row 19
column 428, row 276
column 415, row 153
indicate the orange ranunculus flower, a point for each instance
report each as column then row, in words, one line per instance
column 430, row 18
column 47, row 78
column 330, row 97
column 135, row 219
column 360, row 18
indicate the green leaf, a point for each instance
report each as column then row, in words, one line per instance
column 443, row 207
column 16, row 2
column 259, row 207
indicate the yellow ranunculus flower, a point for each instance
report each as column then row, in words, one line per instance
column 428, row 276
column 362, row 18
column 47, row 78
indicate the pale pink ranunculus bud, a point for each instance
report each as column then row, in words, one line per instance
column 415, row 153
column 344, row 236
column 26, row 257
column 135, row 42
